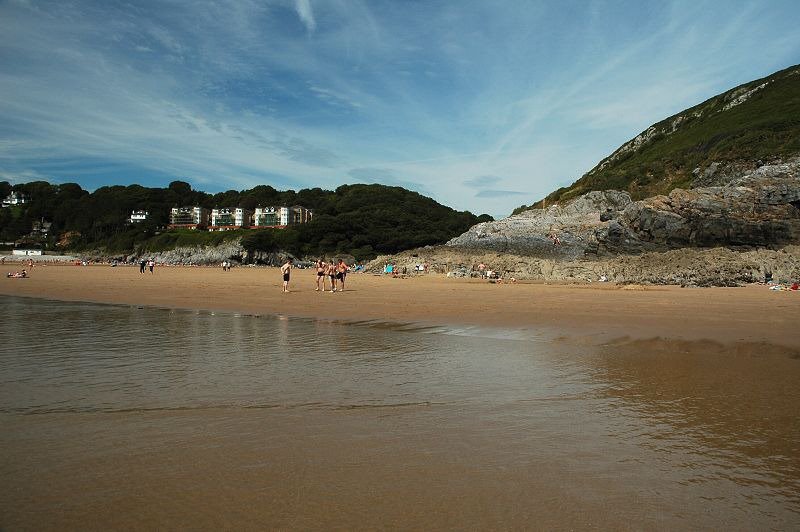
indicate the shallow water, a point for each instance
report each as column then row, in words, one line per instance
column 126, row 417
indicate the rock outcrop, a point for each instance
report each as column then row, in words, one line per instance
column 558, row 232
column 758, row 208
column 208, row 255
column 686, row 267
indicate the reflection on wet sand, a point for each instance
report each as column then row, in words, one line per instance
column 153, row 418
column 730, row 411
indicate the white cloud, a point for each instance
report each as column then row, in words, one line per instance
column 306, row 14
column 448, row 99
column 23, row 176
column 333, row 97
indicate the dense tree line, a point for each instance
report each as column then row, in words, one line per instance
column 363, row 220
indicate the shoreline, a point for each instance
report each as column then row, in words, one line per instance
column 587, row 313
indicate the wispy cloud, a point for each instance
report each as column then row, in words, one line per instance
column 332, row 97
column 306, row 14
column 385, row 176
column 482, row 181
column 500, row 103
column 24, row 176
column 489, row 193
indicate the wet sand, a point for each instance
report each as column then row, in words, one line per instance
column 595, row 313
column 685, row 417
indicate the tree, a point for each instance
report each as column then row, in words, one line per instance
column 260, row 240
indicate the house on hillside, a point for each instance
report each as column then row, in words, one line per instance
column 41, row 228
column 138, row 216
column 225, row 219
column 188, row 217
column 15, row 198
column 281, row 216
column 300, row 215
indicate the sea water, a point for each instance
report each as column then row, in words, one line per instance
column 116, row 416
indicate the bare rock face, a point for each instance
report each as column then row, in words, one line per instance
column 199, row 255
column 757, row 208
column 563, row 232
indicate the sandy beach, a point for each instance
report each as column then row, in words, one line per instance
column 595, row 313
column 593, row 406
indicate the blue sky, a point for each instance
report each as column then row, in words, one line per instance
column 482, row 105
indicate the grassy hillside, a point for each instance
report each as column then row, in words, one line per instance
column 759, row 120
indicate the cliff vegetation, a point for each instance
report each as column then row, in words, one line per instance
column 731, row 132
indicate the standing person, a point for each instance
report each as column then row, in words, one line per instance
column 142, row 265
column 341, row 273
column 286, row 270
column 151, row 264
column 321, row 267
column 331, row 270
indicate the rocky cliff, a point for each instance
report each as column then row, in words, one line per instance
column 749, row 209
column 231, row 250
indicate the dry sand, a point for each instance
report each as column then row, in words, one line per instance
column 595, row 313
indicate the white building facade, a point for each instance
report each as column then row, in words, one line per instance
column 138, row 216
column 15, row 198
column 230, row 218
column 26, row 252
column 191, row 217
column 281, row 216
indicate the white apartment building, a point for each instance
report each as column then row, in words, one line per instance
column 230, row 218
column 192, row 217
column 138, row 216
column 281, row 216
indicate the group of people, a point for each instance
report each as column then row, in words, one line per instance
column 336, row 272
column 226, row 265
column 390, row 268
column 145, row 264
column 17, row 275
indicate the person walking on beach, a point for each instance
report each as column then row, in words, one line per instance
column 341, row 273
column 142, row 265
column 286, row 270
column 151, row 264
column 321, row 267
column 331, row 270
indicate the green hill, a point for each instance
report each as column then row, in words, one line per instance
column 362, row 220
column 756, row 121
